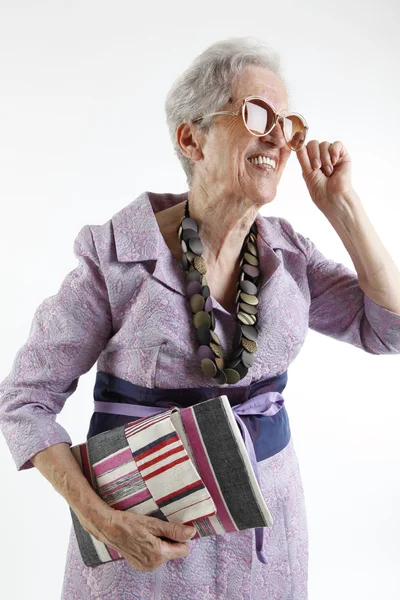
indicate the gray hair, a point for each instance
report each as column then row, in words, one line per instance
column 207, row 84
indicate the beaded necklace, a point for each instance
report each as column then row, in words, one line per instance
column 210, row 353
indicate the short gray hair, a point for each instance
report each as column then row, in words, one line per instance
column 207, row 84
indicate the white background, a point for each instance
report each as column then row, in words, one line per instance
column 82, row 133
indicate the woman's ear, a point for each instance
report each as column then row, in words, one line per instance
column 189, row 140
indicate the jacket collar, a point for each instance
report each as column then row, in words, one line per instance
column 138, row 239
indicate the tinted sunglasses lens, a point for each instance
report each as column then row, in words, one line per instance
column 295, row 131
column 258, row 116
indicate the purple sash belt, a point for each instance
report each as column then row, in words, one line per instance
column 265, row 404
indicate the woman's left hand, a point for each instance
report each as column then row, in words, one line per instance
column 327, row 172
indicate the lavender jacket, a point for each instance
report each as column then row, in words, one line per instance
column 124, row 305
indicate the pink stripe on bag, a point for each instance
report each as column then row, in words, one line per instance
column 113, row 553
column 205, row 469
column 112, row 462
column 112, row 486
column 87, row 470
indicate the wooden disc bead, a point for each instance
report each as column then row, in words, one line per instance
column 220, row 363
column 246, row 319
column 188, row 234
column 203, row 335
column 196, row 246
column 220, row 377
column 249, row 345
column 217, row 349
column 209, row 367
column 249, row 332
column 242, row 370
column 215, row 338
column 201, row 318
column 249, row 298
column 252, row 248
column 205, row 292
column 252, row 260
column 232, row 376
column 247, row 359
column 248, row 287
column 193, row 275
column 200, row 265
column 197, row 303
column 251, row 270
column 190, row 256
column 247, row 308
column 189, row 223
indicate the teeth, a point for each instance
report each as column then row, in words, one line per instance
column 263, row 160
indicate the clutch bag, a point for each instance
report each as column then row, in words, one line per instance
column 182, row 465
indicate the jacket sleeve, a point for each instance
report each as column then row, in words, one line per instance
column 340, row 309
column 68, row 332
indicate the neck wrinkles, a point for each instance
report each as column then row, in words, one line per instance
column 223, row 224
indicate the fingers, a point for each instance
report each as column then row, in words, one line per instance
column 138, row 539
column 322, row 156
column 173, row 531
column 304, row 159
column 170, row 551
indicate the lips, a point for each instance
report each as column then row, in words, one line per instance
column 263, row 168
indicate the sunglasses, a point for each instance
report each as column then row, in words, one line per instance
column 260, row 117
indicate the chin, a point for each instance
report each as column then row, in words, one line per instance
column 265, row 194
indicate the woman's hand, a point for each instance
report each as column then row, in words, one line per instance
column 137, row 539
column 327, row 172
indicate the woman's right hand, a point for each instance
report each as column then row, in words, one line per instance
column 137, row 539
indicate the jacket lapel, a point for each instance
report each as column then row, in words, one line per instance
column 138, row 239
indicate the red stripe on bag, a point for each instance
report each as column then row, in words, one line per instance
column 144, row 423
column 143, row 455
column 180, row 491
column 161, row 457
column 163, row 469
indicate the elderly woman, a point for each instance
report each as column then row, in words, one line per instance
column 132, row 305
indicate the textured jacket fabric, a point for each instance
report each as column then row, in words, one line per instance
column 124, row 306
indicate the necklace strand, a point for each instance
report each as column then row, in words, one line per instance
column 210, row 352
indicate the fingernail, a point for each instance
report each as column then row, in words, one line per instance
column 190, row 532
column 316, row 164
column 329, row 170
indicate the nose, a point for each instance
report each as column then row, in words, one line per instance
column 275, row 136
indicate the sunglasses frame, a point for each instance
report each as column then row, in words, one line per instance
column 277, row 119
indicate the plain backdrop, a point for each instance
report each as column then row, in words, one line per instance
column 83, row 133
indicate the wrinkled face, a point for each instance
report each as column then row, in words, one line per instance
column 226, row 148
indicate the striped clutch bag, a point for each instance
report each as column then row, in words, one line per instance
column 187, row 466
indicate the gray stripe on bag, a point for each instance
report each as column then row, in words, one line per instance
column 86, row 546
column 102, row 445
column 228, row 465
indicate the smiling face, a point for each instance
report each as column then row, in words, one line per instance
column 223, row 164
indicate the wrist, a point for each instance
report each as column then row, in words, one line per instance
column 345, row 209
column 96, row 520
